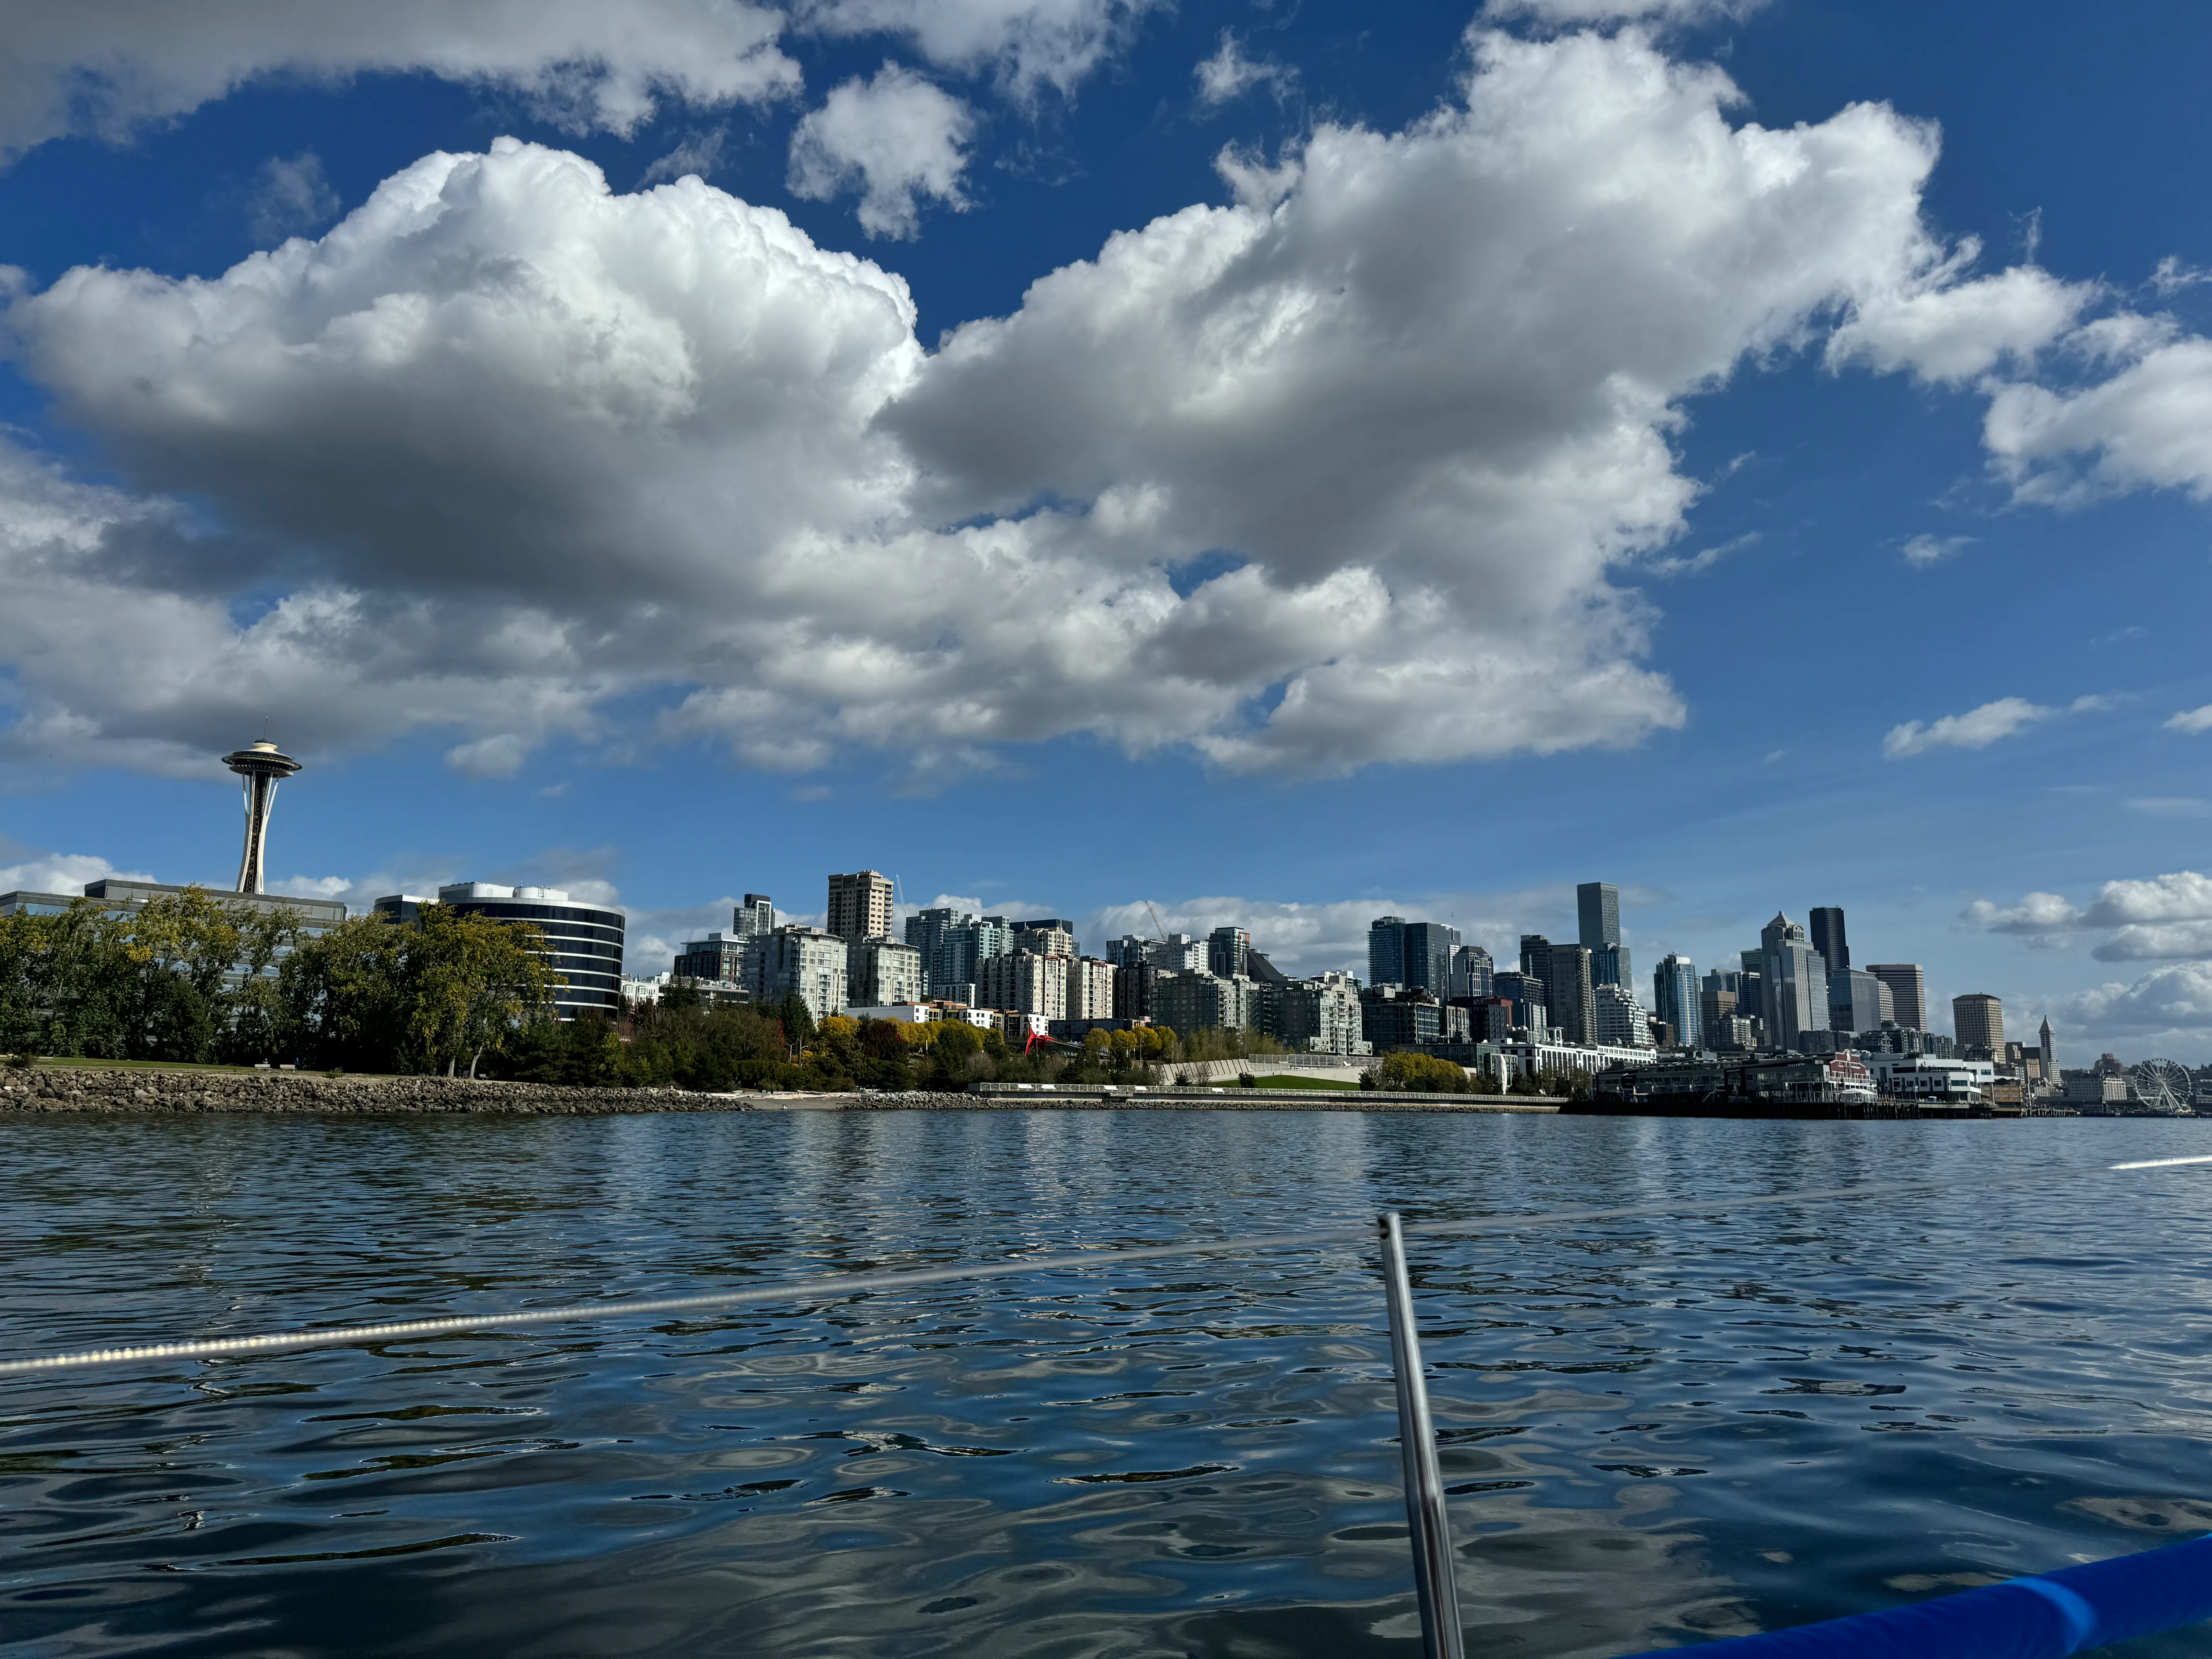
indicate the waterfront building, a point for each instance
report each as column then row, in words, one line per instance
column 882, row 971
column 1733, row 1034
column 1321, row 1016
column 1201, row 1001
column 1393, row 1018
column 1090, row 988
column 261, row 767
column 1829, row 939
column 583, row 942
column 637, row 989
column 1133, row 990
column 1855, row 1000
column 859, row 905
column 1597, row 913
column 1427, row 955
column 1023, row 982
column 1617, row 1019
column 1386, row 951
column 718, row 956
column 806, row 962
column 1567, row 990
column 1536, row 1058
column 1928, row 1078
column 1228, row 952
column 1676, row 999
column 1472, row 971
column 1794, row 986
column 1908, row 990
column 1046, row 936
column 121, row 895
column 757, row 915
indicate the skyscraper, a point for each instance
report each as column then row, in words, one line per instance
column 1854, row 1002
column 1228, row 951
column 755, row 915
column 1470, row 971
column 1908, row 990
column 1427, row 953
column 1597, row 910
column 1386, row 951
column 1977, row 1020
column 1535, row 957
column 1793, row 984
column 1675, row 998
column 2049, row 1052
column 1567, row 987
column 859, row 905
column 1828, row 938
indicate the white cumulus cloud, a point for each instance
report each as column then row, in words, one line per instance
column 2149, row 426
column 111, row 67
column 1978, row 728
column 1028, row 44
column 896, row 139
column 518, row 457
column 62, row 873
column 2191, row 721
column 1228, row 75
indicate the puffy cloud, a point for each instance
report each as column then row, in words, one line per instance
column 1978, row 728
column 2183, row 895
column 65, row 873
column 518, row 457
column 2191, row 721
column 1922, row 552
column 2147, row 427
column 896, row 138
column 111, row 66
column 1950, row 330
column 1228, row 75
column 2034, row 916
column 2168, row 1008
column 1028, row 44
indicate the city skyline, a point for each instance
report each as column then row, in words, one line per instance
column 589, row 655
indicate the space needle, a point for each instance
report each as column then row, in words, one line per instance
column 263, row 768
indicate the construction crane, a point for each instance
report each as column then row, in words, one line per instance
column 1157, row 928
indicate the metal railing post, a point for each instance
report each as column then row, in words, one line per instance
column 1442, row 1635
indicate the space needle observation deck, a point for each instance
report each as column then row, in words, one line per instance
column 263, row 766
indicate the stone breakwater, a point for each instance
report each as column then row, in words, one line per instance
column 54, row 1090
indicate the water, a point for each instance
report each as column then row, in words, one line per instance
column 1655, row 1431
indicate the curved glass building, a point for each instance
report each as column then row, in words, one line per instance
column 583, row 941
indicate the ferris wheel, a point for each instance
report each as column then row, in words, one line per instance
column 2163, row 1085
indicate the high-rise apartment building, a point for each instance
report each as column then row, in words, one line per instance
column 1567, row 989
column 1675, row 998
column 798, row 961
column 718, row 957
column 1597, row 913
column 859, row 905
column 1386, row 951
column 1794, row 984
column 1023, row 983
column 1426, row 954
column 1908, row 992
column 1828, row 938
column 1089, row 989
column 1617, row 1019
column 883, row 971
column 1045, row 936
column 1525, row 992
column 1978, row 1021
column 1471, row 971
column 953, row 943
column 755, row 915
column 1320, row 1015
column 1228, row 951
column 1201, row 1001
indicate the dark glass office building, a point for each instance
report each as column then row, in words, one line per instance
column 583, row 941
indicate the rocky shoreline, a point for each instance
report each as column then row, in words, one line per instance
column 61, row 1090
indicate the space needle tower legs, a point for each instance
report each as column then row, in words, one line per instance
column 263, row 768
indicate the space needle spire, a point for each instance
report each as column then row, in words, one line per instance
column 263, row 768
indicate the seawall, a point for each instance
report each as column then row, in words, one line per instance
column 58, row 1090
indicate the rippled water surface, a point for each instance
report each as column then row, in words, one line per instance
column 1656, row 1431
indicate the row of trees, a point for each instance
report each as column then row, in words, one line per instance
column 192, row 978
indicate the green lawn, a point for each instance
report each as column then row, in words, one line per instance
column 1290, row 1080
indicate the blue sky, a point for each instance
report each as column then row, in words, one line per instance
column 1756, row 454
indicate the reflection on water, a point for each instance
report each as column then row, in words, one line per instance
column 1653, row 1431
